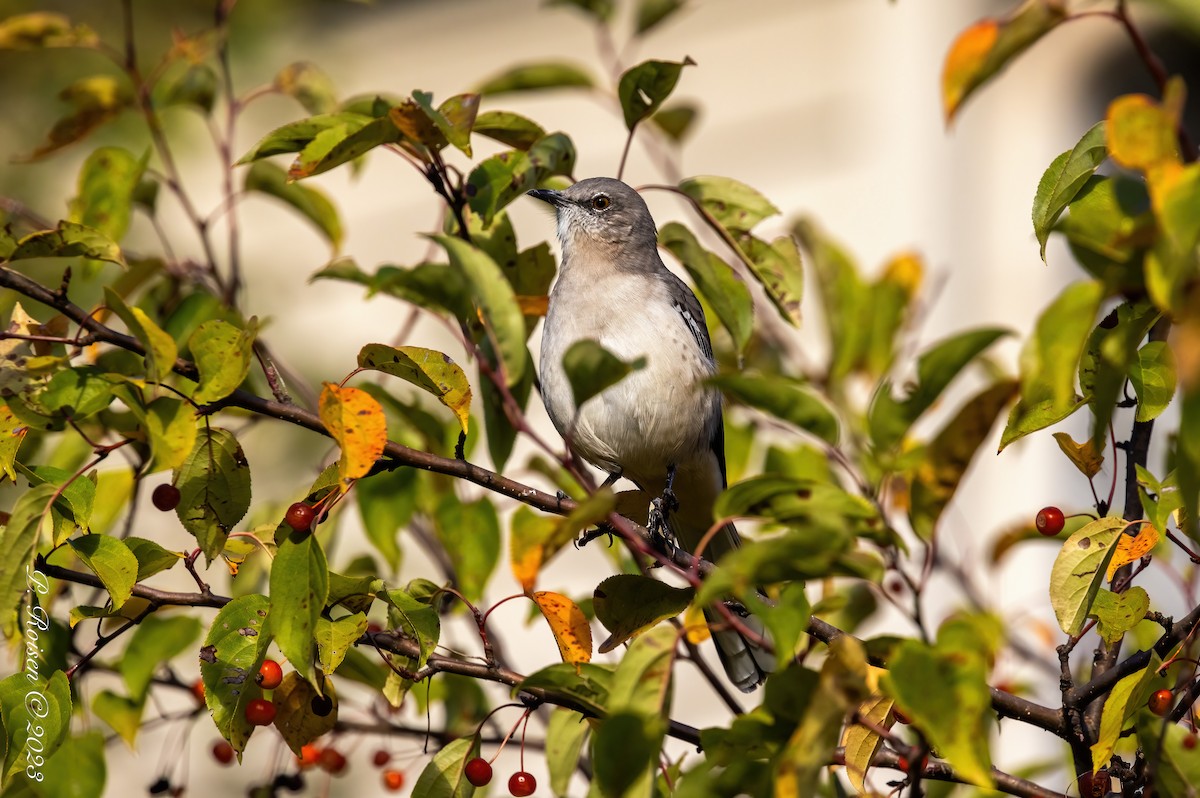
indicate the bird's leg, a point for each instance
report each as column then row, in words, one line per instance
column 660, row 510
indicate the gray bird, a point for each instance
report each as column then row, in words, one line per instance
column 661, row 426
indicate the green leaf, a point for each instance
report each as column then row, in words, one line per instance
column 429, row 370
column 1078, row 571
column 155, row 642
column 600, row 10
column 455, row 117
column 494, row 297
column 96, row 100
column 336, row 638
column 443, row 777
column 497, row 181
column 1179, row 208
column 944, row 691
column 508, row 128
column 78, row 392
column 43, row 29
column 152, row 558
column 111, row 560
column 537, row 77
column 951, row 454
column 386, row 503
column 1117, row 614
column 1176, row 770
column 197, row 86
column 643, row 88
column 1108, row 357
column 797, row 555
column 214, row 489
column 470, row 534
column 267, row 178
column 1063, row 180
column 308, row 85
column 78, row 769
column 33, row 711
column 784, row 398
column 120, row 712
column 889, row 419
column 586, row 684
column 414, row 619
column 1023, row 419
column 68, row 240
column 161, row 350
column 651, row 13
column 229, row 660
column 295, row 136
column 335, row 146
column 676, row 122
column 1108, row 227
column 843, row 299
column 107, row 182
column 1153, row 378
column 628, row 604
column 565, row 733
column 735, row 206
column 170, row 424
column 777, row 267
column 299, row 589
column 625, row 749
column 715, row 280
column 223, row 354
column 591, row 369
column 1051, row 355
column 553, row 154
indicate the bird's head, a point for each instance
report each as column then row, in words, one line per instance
column 600, row 215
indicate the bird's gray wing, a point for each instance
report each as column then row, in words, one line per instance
column 688, row 306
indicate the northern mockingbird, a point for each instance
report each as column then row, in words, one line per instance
column 660, row 427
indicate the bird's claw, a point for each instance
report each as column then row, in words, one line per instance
column 591, row 534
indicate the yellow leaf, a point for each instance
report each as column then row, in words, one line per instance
column 695, row 625
column 1082, row 455
column 356, row 422
column 1140, row 133
column 12, row 432
column 1131, row 548
column 861, row 743
column 569, row 625
column 295, row 719
column 529, row 533
column 905, row 270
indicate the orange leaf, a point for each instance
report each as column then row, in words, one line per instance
column 356, row 422
column 1131, row 548
column 695, row 625
column 533, row 305
column 530, row 531
column 964, row 63
column 569, row 625
column 983, row 49
column 1140, row 133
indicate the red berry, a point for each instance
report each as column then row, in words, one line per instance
column 222, row 751
column 478, row 771
column 374, row 628
column 521, row 784
column 1160, row 702
column 260, row 712
column 1049, row 521
column 309, row 756
column 270, row 675
column 165, row 497
column 393, row 780
column 381, row 758
column 300, row 516
column 332, row 761
column 321, row 705
column 1189, row 742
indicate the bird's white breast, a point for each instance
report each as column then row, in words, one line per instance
column 656, row 416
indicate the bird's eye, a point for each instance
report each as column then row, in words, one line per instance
column 601, row 202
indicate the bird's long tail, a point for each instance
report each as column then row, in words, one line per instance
column 745, row 661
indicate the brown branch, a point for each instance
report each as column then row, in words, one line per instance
column 940, row 771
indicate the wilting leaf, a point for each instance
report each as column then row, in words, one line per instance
column 356, row 421
column 1079, row 571
column 429, row 370
column 628, row 604
column 569, row 625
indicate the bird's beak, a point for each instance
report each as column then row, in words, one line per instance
column 555, row 198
